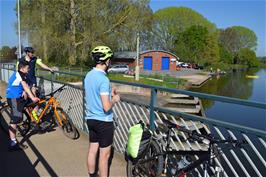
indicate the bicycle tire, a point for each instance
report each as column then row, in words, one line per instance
column 22, row 128
column 67, row 127
column 152, row 168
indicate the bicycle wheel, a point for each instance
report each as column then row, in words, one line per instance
column 67, row 127
column 22, row 128
column 149, row 168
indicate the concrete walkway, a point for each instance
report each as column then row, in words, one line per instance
column 50, row 154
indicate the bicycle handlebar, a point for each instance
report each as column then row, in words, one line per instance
column 57, row 90
column 202, row 138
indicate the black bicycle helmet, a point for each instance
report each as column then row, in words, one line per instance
column 28, row 49
column 100, row 54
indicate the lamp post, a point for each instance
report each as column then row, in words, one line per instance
column 19, row 42
column 137, row 63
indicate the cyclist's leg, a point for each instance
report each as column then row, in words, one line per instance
column 103, row 161
column 91, row 160
column 16, row 117
column 93, row 148
column 106, row 135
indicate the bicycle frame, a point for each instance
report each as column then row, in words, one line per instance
column 50, row 102
column 204, row 157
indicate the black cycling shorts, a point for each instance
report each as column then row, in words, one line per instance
column 17, row 106
column 101, row 132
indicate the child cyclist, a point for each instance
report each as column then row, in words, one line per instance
column 16, row 92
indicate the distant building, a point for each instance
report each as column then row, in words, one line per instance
column 153, row 60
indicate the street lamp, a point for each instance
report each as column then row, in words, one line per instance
column 19, row 42
column 137, row 63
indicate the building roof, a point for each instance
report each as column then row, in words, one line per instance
column 126, row 55
column 133, row 55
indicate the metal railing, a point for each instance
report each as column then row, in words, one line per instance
column 246, row 161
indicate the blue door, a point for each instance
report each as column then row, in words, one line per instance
column 147, row 63
column 165, row 63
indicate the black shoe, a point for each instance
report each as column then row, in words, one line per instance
column 17, row 147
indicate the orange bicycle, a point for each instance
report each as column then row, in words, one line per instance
column 49, row 108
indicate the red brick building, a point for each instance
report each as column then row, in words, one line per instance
column 153, row 60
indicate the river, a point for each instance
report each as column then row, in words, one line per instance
column 237, row 85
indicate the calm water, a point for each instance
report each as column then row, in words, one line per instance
column 238, row 86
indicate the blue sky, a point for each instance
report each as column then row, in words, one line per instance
column 250, row 14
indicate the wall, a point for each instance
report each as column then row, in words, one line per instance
column 156, row 60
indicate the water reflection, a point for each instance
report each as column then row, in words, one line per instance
column 236, row 85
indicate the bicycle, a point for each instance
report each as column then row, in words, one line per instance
column 164, row 161
column 49, row 108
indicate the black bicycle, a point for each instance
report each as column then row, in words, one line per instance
column 159, row 159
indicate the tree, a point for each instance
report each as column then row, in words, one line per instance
column 8, row 53
column 70, row 29
column 170, row 22
column 236, row 38
column 247, row 57
column 247, row 38
column 197, row 45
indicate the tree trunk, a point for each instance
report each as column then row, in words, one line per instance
column 72, row 50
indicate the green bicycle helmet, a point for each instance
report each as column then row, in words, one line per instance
column 100, row 54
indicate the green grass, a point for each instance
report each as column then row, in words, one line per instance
column 168, row 82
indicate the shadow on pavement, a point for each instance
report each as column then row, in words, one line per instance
column 13, row 164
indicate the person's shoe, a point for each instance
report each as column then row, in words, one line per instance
column 17, row 147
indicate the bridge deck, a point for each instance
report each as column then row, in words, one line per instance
column 50, row 154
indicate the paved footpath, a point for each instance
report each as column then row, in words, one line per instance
column 51, row 154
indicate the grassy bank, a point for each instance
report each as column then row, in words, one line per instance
column 155, row 80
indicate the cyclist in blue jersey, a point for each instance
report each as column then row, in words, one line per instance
column 14, row 94
column 100, row 98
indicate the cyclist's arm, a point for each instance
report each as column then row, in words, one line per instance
column 42, row 65
column 27, row 90
column 107, row 102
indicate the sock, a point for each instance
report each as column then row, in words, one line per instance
column 35, row 116
column 13, row 142
column 93, row 174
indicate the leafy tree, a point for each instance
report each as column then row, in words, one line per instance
column 225, row 55
column 197, row 45
column 170, row 22
column 247, row 57
column 68, row 30
column 229, row 39
column 247, row 38
column 8, row 53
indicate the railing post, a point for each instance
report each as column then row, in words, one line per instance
column 83, row 104
column 153, row 103
column 52, row 82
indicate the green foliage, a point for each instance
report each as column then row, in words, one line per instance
column 246, row 37
column 65, row 31
column 170, row 22
column 8, row 53
column 197, row 45
column 225, row 55
column 247, row 57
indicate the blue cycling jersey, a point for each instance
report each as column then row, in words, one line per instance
column 15, row 88
column 97, row 84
